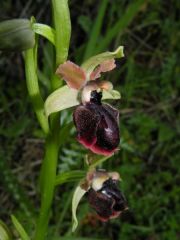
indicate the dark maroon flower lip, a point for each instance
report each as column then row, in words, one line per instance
column 97, row 126
column 108, row 202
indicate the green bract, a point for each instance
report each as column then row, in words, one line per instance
column 78, row 194
column 45, row 31
column 16, row 35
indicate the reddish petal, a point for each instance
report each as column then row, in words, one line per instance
column 106, row 66
column 74, row 76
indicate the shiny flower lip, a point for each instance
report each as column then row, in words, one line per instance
column 104, row 195
column 97, row 123
column 97, row 126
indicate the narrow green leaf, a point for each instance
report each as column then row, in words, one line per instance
column 78, row 194
column 33, row 87
column 121, row 24
column 70, row 176
column 62, row 24
column 5, row 233
column 90, row 64
column 45, row 31
column 19, row 228
column 94, row 35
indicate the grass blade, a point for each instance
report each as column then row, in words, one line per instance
column 19, row 228
column 96, row 30
column 123, row 22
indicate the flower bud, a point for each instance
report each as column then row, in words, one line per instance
column 16, row 35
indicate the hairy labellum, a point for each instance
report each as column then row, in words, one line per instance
column 97, row 125
column 109, row 201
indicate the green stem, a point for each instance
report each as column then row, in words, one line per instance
column 33, row 88
column 48, row 181
column 98, row 162
column 49, row 166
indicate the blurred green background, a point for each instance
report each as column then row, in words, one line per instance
column 149, row 119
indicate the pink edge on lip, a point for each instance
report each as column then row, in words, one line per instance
column 85, row 143
column 95, row 149
column 74, row 75
column 101, row 151
column 114, row 215
column 105, row 66
column 102, row 219
column 91, row 145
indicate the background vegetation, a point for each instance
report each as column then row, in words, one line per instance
column 148, row 80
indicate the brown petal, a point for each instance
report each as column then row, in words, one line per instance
column 106, row 66
column 74, row 76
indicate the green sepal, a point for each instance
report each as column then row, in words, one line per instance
column 90, row 64
column 61, row 99
column 66, row 97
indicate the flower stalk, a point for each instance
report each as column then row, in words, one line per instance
column 33, row 88
column 48, row 177
column 49, row 166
